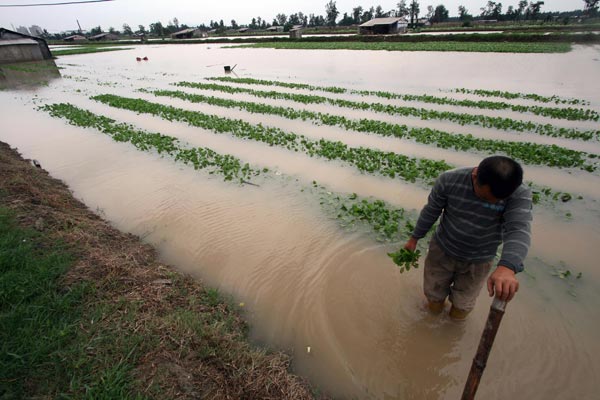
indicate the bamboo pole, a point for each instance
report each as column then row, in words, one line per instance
column 485, row 346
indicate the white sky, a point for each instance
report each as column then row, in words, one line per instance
column 192, row 12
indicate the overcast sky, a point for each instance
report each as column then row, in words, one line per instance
column 193, row 12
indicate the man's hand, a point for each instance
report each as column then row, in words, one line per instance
column 411, row 244
column 504, row 283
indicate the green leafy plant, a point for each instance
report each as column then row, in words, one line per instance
column 406, row 259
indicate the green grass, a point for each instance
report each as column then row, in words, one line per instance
column 42, row 350
column 86, row 50
column 495, row 47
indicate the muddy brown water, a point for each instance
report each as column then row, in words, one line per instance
column 304, row 281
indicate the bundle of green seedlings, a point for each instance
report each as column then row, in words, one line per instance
column 406, row 259
column 507, row 124
column 552, row 112
column 530, row 153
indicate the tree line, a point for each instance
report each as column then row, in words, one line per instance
column 410, row 9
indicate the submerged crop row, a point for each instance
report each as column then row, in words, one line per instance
column 572, row 114
column 201, row 157
column 383, row 219
column 530, row 153
column 388, row 164
column 422, row 113
column 517, row 95
column 367, row 160
column 495, row 47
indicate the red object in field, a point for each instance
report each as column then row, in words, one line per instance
column 138, row 59
column 145, row 58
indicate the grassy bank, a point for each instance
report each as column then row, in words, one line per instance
column 90, row 312
column 495, row 47
column 86, row 50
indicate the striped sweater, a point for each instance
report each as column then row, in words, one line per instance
column 471, row 229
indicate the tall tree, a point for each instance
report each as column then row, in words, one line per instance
column 534, row 9
column 156, row 29
column 430, row 11
column 331, row 12
column 346, row 20
column 591, row 7
column 440, row 14
column 367, row 15
column 463, row 14
column 402, row 9
column 492, row 10
column 413, row 11
column 280, row 19
column 96, row 31
column 142, row 29
column 127, row 30
column 356, row 14
column 379, row 12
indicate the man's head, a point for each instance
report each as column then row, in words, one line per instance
column 497, row 177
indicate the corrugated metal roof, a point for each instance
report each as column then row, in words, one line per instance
column 183, row 32
column 382, row 21
column 17, row 41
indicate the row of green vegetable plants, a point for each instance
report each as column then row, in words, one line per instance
column 422, row 113
column 201, row 157
column 530, row 153
column 350, row 210
column 387, row 164
column 480, row 47
column 517, row 95
column 365, row 159
column 571, row 114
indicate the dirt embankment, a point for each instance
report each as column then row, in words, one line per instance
column 193, row 342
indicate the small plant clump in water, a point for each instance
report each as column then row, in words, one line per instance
column 406, row 259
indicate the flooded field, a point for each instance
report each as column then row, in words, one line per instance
column 325, row 293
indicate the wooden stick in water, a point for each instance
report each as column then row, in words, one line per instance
column 485, row 346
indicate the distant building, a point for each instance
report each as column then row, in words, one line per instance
column 18, row 47
column 423, row 22
column 104, row 36
column 383, row 26
column 296, row 33
column 188, row 34
column 243, row 30
column 75, row 38
column 275, row 28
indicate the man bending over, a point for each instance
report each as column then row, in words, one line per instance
column 479, row 208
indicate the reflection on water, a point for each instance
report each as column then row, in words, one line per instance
column 28, row 75
column 304, row 281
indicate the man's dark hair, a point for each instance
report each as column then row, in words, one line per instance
column 504, row 175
